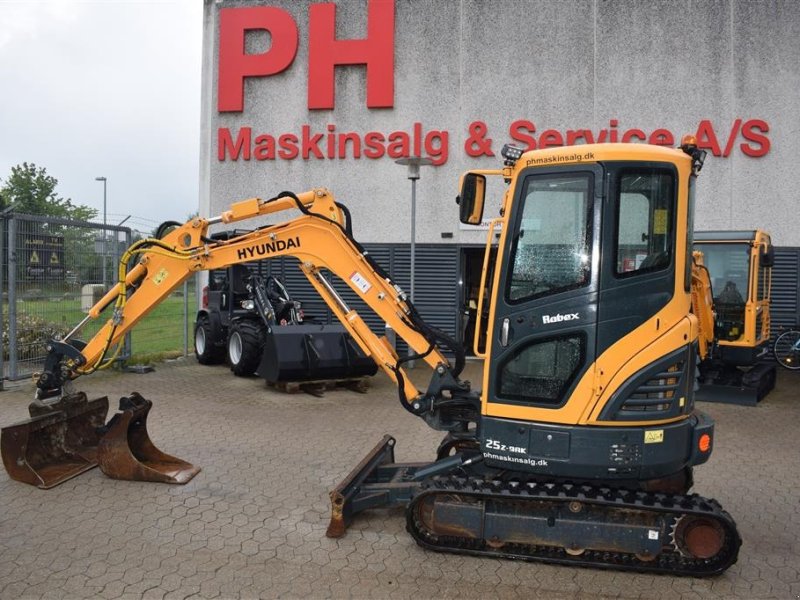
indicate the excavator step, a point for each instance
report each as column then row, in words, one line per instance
column 57, row 443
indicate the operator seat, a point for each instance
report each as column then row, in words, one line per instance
column 240, row 277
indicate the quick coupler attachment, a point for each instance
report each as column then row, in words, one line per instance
column 126, row 451
column 58, row 442
column 376, row 482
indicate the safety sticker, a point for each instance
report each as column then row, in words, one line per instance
column 652, row 534
column 360, row 282
column 159, row 277
column 660, row 221
column 654, row 436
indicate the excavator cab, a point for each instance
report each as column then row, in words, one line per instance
column 594, row 270
column 739, row 265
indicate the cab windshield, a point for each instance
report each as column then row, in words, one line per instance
column 551, row 249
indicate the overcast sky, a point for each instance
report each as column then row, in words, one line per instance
column 105, row 88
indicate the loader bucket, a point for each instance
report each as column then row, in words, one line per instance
column 57, row 443
column 312, row 353
column 126, row 452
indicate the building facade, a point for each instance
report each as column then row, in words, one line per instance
column 300, row 94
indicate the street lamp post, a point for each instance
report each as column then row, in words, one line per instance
column 413, row 163
column 105, row 181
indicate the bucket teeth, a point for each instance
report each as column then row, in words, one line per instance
column 57, row 443
column 126, row 451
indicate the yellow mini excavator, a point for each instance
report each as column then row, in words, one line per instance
column 579, row 449
column 739, row 264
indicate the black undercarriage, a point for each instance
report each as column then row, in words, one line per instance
column 459, row 504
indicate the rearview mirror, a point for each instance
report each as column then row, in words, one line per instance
column 471, row 198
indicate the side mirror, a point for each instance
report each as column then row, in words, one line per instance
column 471, row 198
column 767, row 256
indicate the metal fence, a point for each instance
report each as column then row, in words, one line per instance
column 51, row 271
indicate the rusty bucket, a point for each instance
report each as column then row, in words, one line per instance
column 58, row 442
column 126, row 452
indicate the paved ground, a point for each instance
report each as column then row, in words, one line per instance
column 252, row 523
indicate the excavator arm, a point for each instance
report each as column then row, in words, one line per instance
column 319, row 238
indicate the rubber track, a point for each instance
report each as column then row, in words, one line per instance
column 670, row 561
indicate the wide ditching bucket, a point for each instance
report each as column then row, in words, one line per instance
column 312, row 352
column 57, row 443
column 126, row 452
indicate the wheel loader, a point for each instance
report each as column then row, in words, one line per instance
column 580, row 447
column 254, row 321
column 737, row 369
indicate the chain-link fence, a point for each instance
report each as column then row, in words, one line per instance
column 52, row 271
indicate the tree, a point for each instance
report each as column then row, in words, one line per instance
column 32, row 191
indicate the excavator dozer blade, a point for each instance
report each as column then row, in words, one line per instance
column 376, row 482
column 57, row 443
column 126, row 452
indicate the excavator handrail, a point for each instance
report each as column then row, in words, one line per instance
column 482, row 292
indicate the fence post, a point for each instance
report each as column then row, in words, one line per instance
column 127, row 348
column 12, row 297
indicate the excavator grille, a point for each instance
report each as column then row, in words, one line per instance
column 658, row 393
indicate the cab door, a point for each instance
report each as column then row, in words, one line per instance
column 545, row 318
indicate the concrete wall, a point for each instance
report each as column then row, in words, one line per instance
column 562, row 65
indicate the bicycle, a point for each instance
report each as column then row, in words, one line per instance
column 787, row 349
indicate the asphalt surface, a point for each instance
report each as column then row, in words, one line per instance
column 252, row 523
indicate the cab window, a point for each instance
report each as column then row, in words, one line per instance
column 645, row 217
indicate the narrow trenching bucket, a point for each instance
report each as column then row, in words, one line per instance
column 58, row 442
column 126, row 452
column 311, row 352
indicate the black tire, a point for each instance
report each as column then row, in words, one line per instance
column 245, row 347
column 787, row 350
column 206, row 348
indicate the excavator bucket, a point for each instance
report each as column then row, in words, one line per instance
column 126, row 452
column 57, row 443
column 312, row 352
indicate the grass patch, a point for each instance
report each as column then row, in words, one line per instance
column 157, row 336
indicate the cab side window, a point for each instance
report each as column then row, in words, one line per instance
column 645, row 215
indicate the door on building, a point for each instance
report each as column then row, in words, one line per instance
column 471, row 267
